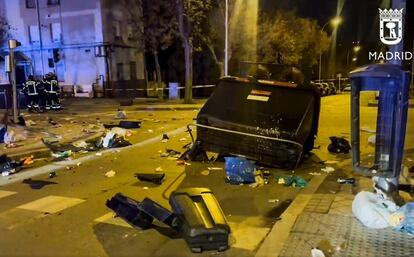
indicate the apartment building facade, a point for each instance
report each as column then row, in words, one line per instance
column 91, row 45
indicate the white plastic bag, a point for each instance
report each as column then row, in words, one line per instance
column 367, row 208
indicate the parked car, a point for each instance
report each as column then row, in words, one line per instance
column 321, row 89
column 328, row 90
column 332, row 88
column 346, row 87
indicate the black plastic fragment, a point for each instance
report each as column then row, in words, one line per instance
column 151, row 177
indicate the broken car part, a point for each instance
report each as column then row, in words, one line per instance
column 155, row 178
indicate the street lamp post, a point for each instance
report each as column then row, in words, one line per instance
column 356, row 49
column 335, row 23
column 226, row 40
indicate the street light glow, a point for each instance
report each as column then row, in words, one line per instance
column 354, row 59
column 357, row 48
column 336, row 21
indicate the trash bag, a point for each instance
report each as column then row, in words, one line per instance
column 406, row 214
column 367, row 208
column 293, row 181
column 239, row 170
column 339, row 145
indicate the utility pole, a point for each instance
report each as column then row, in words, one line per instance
column 39, row 25
column 398, row 4
column 12, row 45
column 226, row 40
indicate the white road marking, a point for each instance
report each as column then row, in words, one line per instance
column 6, row 193
column 51, row 204
column 14, row 218
column 110, row 218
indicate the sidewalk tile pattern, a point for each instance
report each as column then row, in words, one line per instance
column 340, row 235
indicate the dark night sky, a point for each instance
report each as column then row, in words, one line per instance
column 360, row 22
column 360, row 16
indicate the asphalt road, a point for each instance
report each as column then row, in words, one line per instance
column 68, row 216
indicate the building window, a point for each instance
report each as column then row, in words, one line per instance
column 34, row 34
column 130, row 31
column 55, row 32
column 53, row 2
column 116, row 29
column 30, row 3
column 133, row 70
column 120, row 71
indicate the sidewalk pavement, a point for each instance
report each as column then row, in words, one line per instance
column 81, row 119
column 321, row 216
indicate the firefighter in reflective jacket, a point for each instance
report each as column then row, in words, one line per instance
column 30, row 87
column 52, row 92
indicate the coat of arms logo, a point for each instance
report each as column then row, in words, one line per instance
column 391, row 26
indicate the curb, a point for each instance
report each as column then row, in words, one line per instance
column 42, row 151
column 84, row 159
column 279, row 233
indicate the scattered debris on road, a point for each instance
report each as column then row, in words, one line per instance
column 339, row 145
column 239, row 170
column 159, row 169
column 403, row 219
column 170, row 153
column 368, row 130
column 52, row 174
column 120, row 114
column 52, row 122
column 205, row 172
column 182, row 162
column 292, row 181
column 315, row 252
column 113, row 139
column 330, row 162
column 110, row 174
column 328, row 169
column 30, row 123
column 155, row 178
column 194, row 153
column 124, row 124
column 165, row 138
column 28, row 160
column 37, row 184
column 62, row 155
column 372, row 139
column 315, row 173
column 273, row 200
column 80, row 144
column 21, row 121
column 215, row 168
column 350, row 181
